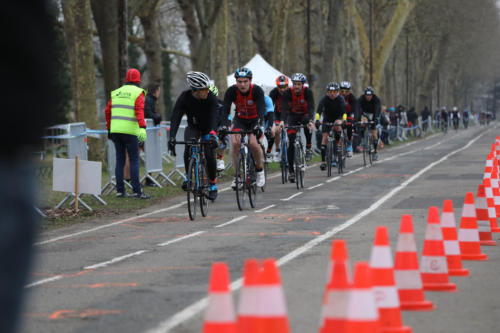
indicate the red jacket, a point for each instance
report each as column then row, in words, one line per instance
column 139, row 112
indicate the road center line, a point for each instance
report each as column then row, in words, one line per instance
column 175, row 240
column 315, row 186
column 199, row 305
column 291, row 197
column 333, row 179
column 115, row 260
column 265, row 208
column 232, row 221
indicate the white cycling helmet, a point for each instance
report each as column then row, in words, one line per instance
column 198, row 80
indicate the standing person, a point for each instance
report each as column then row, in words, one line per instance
column 385, row 123
column 199, row 104
column 150, row 112
column 465, row 118
column 426, row 117
column 126, row 127
column 412, row 119
column 394, row 119
column 297, row 108
column 332, row 109
column 351, row 110
column 275, row 94
column 249, row 114
column 369, row 106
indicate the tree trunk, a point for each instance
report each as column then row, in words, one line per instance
column 220, row 61
column 278, row 41
column 148, row 15
column 246, row 51
column 78, row 29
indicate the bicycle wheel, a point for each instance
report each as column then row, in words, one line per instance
column 241, row 175
column 370, row 149
column 365, row 147
column 252, row 182
column 302, row 166
column 203, row 190
column 266, row 167
column 284, row 164
column 299, row 161
column 191, row 189
column 340, row 151
column 344, row 151
column 329, row 157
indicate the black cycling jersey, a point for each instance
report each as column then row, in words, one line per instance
column 257, row 97
column 373, row 106
column 332, row 109
column 287, row 103
column 201, row 113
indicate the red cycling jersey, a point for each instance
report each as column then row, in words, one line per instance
column 299, row 103
column 245, row 105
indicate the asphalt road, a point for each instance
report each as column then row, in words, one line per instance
column 149, row 272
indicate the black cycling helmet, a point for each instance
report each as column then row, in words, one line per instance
column 345, row 85
column 243, row 72
column 369, row 90
column 334, row 86
column 299, row 77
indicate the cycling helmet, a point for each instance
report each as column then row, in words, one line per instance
column 282, row 80
column 455, row 108
column 334, row 86
column 214, row 90
column 243, row 72
column 369, row 90
column 198, row 80
column 299, row 77
column 345, row 85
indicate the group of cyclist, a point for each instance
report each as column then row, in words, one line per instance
column 443, row 117
column 290, row 108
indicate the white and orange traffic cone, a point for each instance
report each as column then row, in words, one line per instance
column 338, row 254
column 362, row 313
column 434, row 267
column 493, row 200
column 468, row 235
column 450, row 241
column 407, row 271
column 384, row 286
column 489, row 166
column 273, row 317
column 219, row 315
column 248, row 305
column 483, row 217
column 334, row 312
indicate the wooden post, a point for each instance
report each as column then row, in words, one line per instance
column 76, row 184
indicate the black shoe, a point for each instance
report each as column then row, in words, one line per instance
column 322, row 166
column 149, row 182
column 184, row 185
column 121, row 194
column 309, row 154
column 141, row 195
column 291, row 177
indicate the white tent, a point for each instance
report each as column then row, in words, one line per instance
column 263, row 73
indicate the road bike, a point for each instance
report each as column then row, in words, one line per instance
column 197, row 184
column 284, row 156
column 367, row 141
column 336, row 151
column 299, row 157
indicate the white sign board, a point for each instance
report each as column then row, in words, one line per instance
column 89, row 176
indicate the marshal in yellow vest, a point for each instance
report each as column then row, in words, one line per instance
column 123, row 119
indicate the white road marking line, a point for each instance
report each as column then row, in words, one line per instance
column 291, row 197
column 232, row 221
column 175, row 240
column 434, row 145
column 333, row 179
column 110, row 224
column 265, row 208
column 318, row 185
column 198, row 306
column 115, row 260
column 47, row 280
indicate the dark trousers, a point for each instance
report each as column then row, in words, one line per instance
column 130, row 144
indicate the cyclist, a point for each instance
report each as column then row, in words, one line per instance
column 269, row 127
column 443, row 117
column 223, row 123
column 250, row 109
column 297, row 108
column 332, row 108
column 465, row 118
column 369, row 106
column 455, row 116
column 351, row 110
column 275, row 94
column 199, row 104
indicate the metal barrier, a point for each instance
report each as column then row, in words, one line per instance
column 153, row 155
column 179, row 152
column 165, row 131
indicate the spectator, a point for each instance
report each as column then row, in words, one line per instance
column 150, row 103
column 394, row 119
column 425, row 118
column 126, row 127
column 385, row 123
column 403, row 118
column 412, row 119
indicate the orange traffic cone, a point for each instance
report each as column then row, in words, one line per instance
column 483, row 218
column 248, row 307
column 450, row 241
column 339, row 254
column 489, row 166
column 219, row 315
column 362, row 314
column 468, row 235
column 273, row 316
column 493, row 200
column 334, row 312
column 386, row 294
column 434, row 268
column 407, row 272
